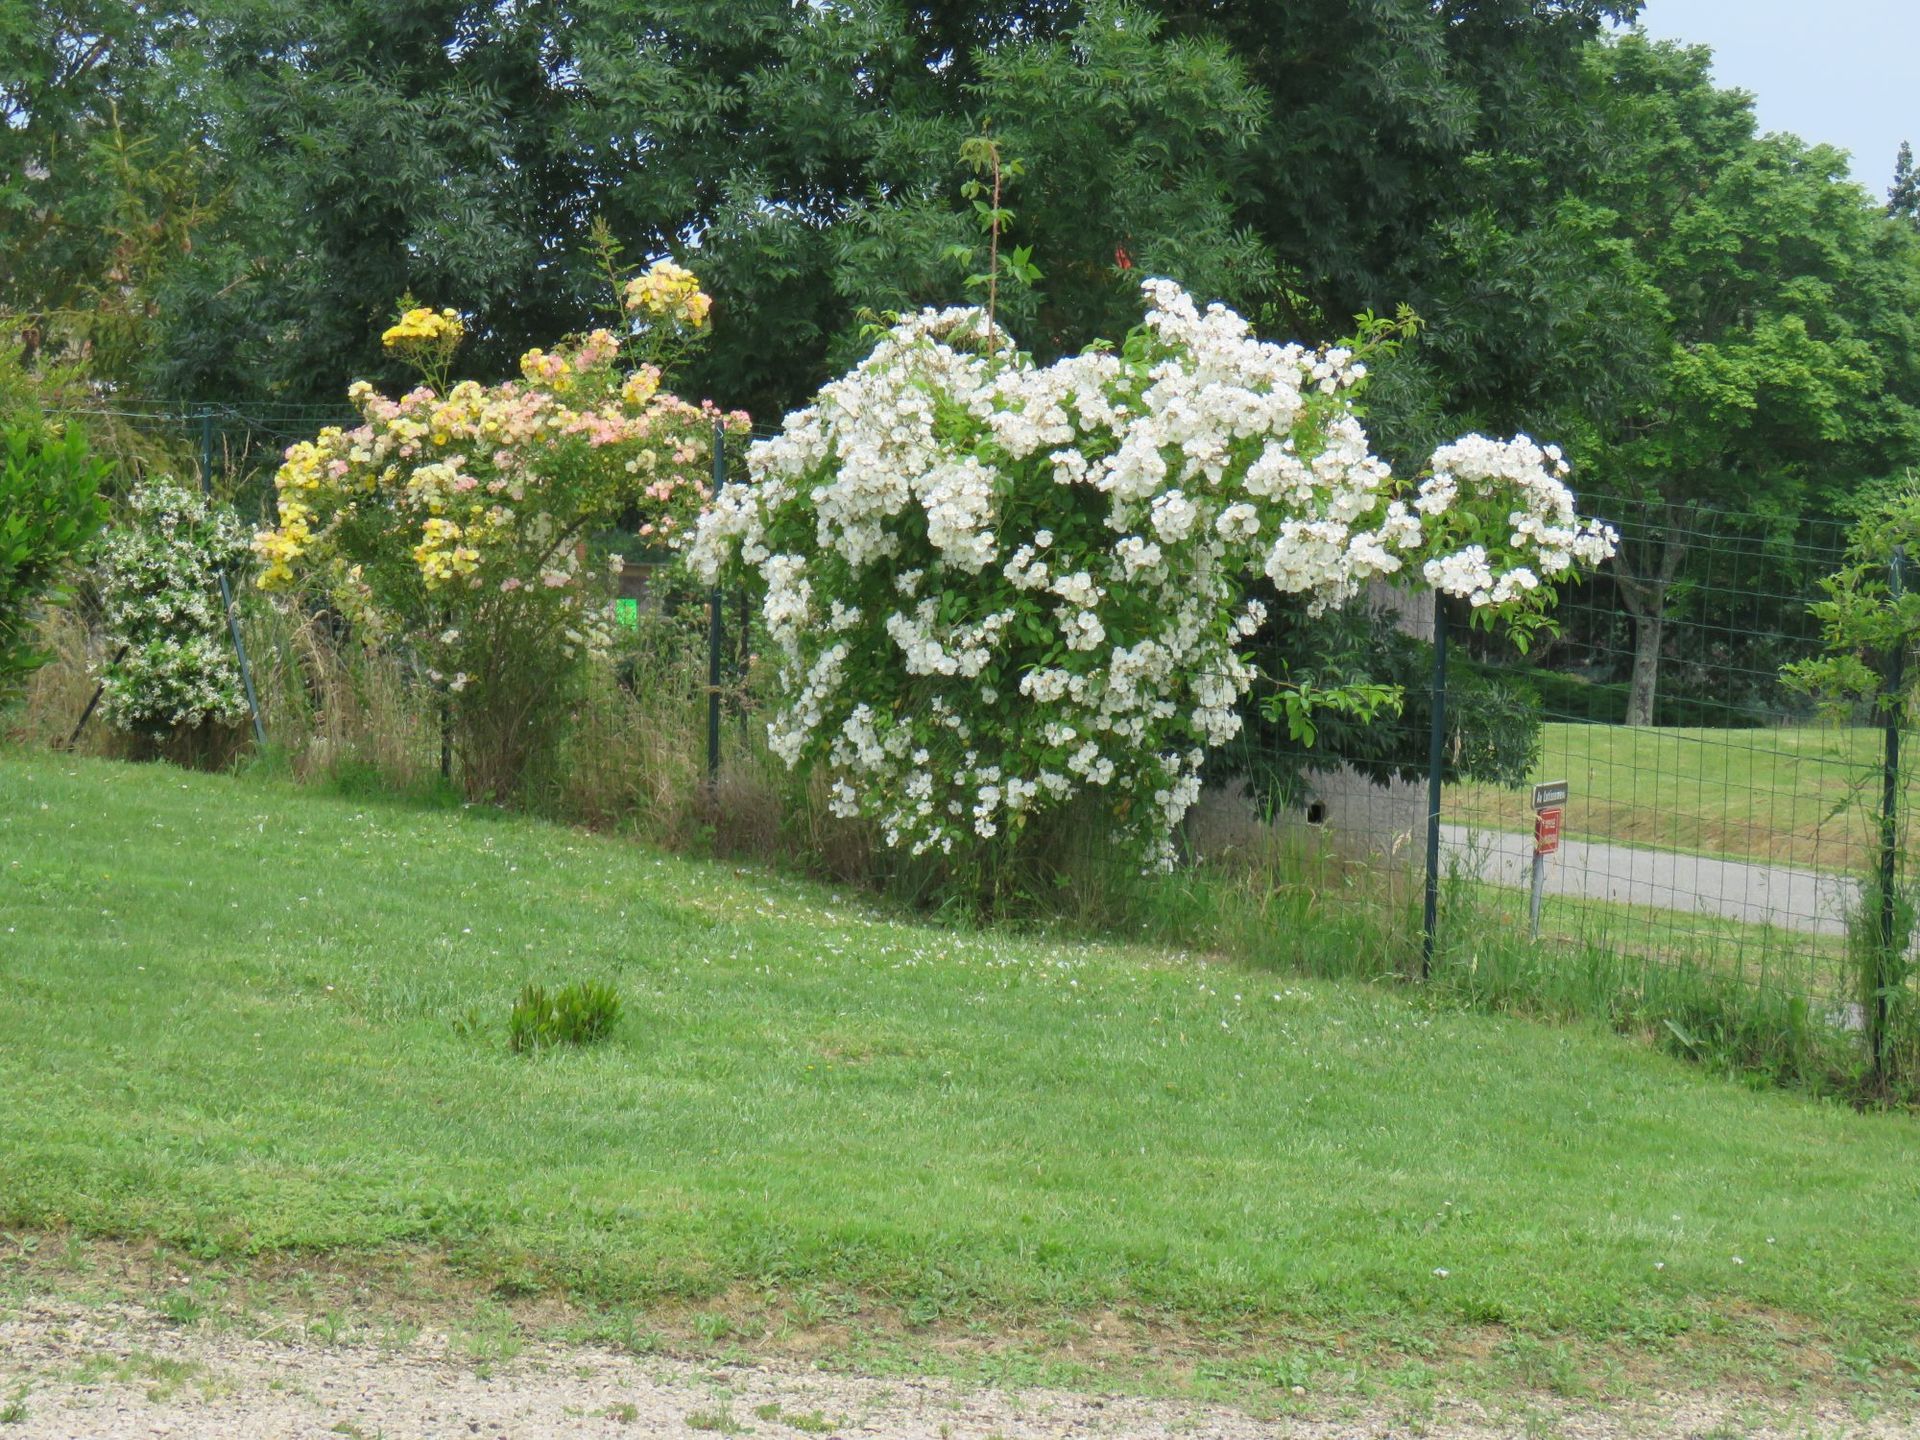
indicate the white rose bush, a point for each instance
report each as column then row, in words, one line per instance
column 994, row 589
column 159, row 574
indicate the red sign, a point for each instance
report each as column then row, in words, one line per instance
column 1546, row 831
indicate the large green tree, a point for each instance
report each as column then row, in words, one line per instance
column 1291, row 158
column 1776, row 358
column 101, row 183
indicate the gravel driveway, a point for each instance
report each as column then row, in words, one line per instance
column 68, row 1370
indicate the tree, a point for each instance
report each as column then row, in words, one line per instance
column 1781, row 378
column 100, row 185
column 1903, row 198
column 1289, row 159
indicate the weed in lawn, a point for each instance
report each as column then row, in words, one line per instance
column 583, row 1013
column 808, row 1308
column 1539, row 1365
column 489, row 1337
column 396, row 1335
column 718, row 1420
column 182, row 1308
column 809, row 1422
column 164, row 1375
column 331, row 1328
column 626, row 1412
column 712, row 1326
column 14, row 1410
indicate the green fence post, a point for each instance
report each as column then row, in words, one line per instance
column 226, row 589
column 1436, row 758
column 715, row 633
column 1886, row 968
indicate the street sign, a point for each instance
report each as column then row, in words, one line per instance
column 1546, row 830
column 1553, row 793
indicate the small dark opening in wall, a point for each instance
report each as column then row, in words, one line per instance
column 1317, row 813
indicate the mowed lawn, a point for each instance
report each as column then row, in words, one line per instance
column 1803, row 797
column 231, row 1017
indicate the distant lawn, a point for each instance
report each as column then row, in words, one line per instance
column 1795, row 961
column 231, row 1018
column 1787, row 797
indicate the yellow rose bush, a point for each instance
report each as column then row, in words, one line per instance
column 451, row 525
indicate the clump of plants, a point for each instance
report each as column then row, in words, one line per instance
column 172, row 662
column 51, row 510
column 452, row 524
column 583, row 1013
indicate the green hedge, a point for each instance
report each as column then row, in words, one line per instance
column 1568, row 697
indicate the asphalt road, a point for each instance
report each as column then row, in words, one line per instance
column 1754, row 894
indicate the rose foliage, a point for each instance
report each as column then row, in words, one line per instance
column 992, row 587
column 159, row 575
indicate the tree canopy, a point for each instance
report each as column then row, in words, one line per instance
column 224, row 198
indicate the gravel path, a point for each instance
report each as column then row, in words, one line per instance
column 1752, row 893
column 68, row 1370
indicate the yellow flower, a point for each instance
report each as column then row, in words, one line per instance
column 641, row 386
column 671, row 292
column 440, row 559
column 422, row 329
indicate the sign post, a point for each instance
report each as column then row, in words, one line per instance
column 1549, row 802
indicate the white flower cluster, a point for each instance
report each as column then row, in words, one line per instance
column 1547, row 537
column 992, row 586
column 158, row 577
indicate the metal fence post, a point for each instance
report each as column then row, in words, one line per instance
column 1885, row 967
column 226, row 589
column 715, row 635
column 1436, row 759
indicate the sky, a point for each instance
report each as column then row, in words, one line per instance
column 1841, row 72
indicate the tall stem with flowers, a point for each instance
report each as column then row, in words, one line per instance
column 452, row 522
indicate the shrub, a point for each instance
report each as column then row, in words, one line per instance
column 583, row 1013
column 158, row 578
column 50, row 511
column 1493, row 725
column 992, row 587
column 452, row 523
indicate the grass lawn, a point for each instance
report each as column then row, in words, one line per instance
column 1797, row 961
column 1787, row 797
column 232, row 1018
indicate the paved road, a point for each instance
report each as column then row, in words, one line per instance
column 1754, row 894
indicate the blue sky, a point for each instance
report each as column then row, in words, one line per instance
column 1843, row 72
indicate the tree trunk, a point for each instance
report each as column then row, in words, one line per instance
column 1645, row 596
column 1647, row 631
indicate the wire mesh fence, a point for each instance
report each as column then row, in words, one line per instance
column 1711, row 813
column 1709, row 819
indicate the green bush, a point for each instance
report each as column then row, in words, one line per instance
column 583, row 1013
column 1493, row 720
column 50, row 511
